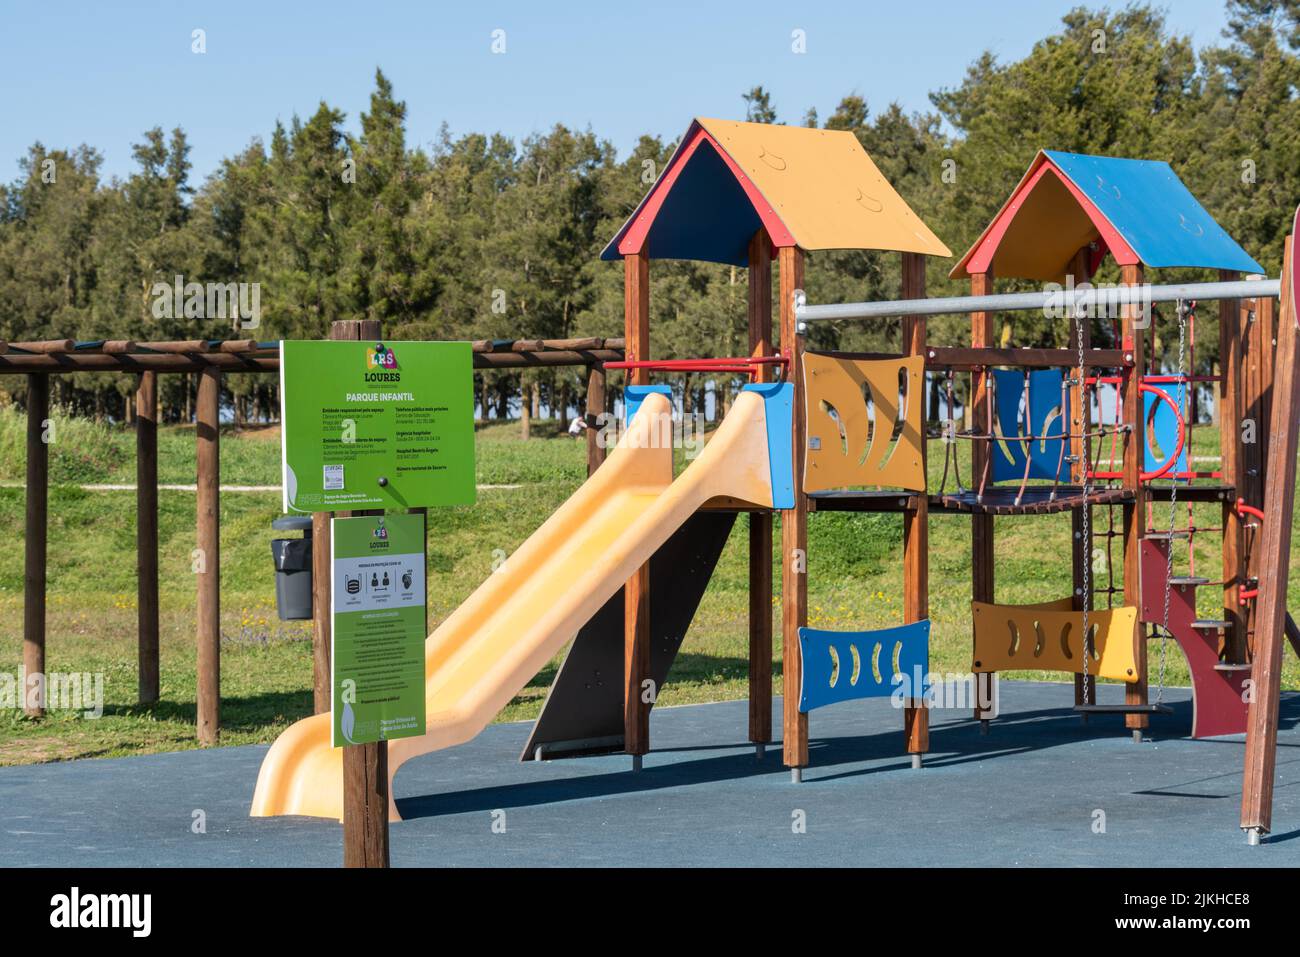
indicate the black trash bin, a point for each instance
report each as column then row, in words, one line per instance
column 292, row 568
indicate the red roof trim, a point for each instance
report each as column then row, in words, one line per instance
column 981, row 257
column 638, row 227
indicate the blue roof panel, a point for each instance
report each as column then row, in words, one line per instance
column 1155, row 213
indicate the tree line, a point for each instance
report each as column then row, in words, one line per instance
column 482, row 236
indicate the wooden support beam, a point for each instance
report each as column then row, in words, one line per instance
column 1275, row 550
column 321, row 623
column 146, row 534
column 957, row 358
column 794, row 523
column 595, row 409
column 760, row 523
column 1134, row 338
column 636, row 591
column 1230, row 411
column 981, row 524
column 36, row 534
column 365, row 805
column 208, row 559
column 916, row 520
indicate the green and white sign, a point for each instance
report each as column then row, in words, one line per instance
column 377, row 649
column 373, row 425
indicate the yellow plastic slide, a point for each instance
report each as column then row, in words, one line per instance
column 528, row 610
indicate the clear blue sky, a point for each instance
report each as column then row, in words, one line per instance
column 102, row 72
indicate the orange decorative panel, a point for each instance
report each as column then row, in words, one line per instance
column 864, row 422
column 1042, row 638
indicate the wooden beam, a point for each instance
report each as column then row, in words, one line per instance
column 954, row 357
column 1275, row 550
column 365, row 805
column 36, row 533
column 208, row 507
column 636, row 591
column 794, row 524
column 760, row 523
column 916, row 520
column 321, row 623
column 1230, row 412
column 1134, row 339
column 981, row 524
column 146, row 534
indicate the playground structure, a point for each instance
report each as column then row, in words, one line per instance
column 1098, row 428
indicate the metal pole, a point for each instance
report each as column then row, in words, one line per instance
column 1058, row 301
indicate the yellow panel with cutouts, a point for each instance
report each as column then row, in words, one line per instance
column 1048, row 637
column 851, row 444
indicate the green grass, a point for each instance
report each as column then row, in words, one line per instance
column 855, row 582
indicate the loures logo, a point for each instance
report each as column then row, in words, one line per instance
column 381, row 364
column 381, row 532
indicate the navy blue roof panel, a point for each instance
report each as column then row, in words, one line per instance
column 705, row 217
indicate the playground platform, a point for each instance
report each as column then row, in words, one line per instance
column 1025, row 794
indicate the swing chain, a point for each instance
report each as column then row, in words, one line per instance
column 1085, row 541
column 1173, row 506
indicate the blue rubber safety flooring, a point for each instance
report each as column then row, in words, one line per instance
column 1041, row 789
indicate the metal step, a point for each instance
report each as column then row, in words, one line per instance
column 1228, row 666
column 1164, row 536
column 1211, row 624
column 1123, row 709
column 1179, row 581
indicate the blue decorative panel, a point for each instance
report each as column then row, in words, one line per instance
column 778, row 408
column 1161, row 420
column 1045, row 413
column 843, row 665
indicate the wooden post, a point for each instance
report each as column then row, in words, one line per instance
column 36, row 533
column 595, row 408
column 1134, row 339
column 347, row 330
column 1256, row 356
column 1080, row 416
column 208, row 560
column 1275, row 548
column 916, row 532
column 981, row 523
column 636, row 608
column 1231, row 410
column 321, row 624
column 760, row 523
column 794, row 526
column 365, row 805
column 146, row 534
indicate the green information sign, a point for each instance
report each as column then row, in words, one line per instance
column 377, row 652
column 372, row 425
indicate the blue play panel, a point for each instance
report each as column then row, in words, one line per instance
column 1025, row 794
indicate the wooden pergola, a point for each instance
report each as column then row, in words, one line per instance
column 209, row 359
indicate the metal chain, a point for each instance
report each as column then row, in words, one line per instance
column 1085, row 542
column 1173, row 504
